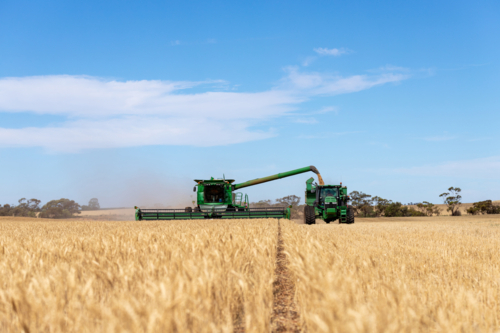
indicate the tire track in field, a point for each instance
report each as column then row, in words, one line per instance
column 285, row 317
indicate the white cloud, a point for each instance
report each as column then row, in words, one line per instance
column 327, row 109
column 132, row 131
column 323, row 84
column 330, row 52
column 81, row 96
column 108, row 113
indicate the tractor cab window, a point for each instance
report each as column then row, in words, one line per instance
column 328, row 192
column 214, row 193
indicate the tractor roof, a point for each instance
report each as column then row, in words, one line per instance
column 230, row 181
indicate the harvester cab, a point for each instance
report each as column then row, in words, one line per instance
column 216, row 198
column 328, row 203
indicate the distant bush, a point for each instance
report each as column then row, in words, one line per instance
column 483, row 207
column 25, row 208
column 396, row 209
column 428, row 209
column 62, row 208
column 93, row 205
column 6, row 210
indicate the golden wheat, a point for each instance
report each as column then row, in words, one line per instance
column 420, row 274
column 397, row 277
column 175, row 276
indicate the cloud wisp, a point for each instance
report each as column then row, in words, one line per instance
column 323, row 51
column 104, row 113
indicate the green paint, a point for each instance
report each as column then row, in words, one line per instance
column 330, row 202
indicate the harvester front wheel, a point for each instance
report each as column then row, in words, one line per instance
column 188, row 209
column 350, row 216
column 309, row 215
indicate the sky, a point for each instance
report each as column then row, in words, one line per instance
column 129, row 101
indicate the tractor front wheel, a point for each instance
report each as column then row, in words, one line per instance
column 309, row 215
column 350, row 216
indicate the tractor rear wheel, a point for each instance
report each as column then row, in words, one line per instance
column 309, row 215
column 350, row 216
column 197, row 209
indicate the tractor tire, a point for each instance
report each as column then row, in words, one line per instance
column 350, row 216
column 188, row 209
column 197, row 209
column 309, row 215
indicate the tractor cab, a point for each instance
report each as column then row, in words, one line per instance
column 328, row 194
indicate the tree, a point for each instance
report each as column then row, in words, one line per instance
column 361, row 203
column 290, row 200
column 261, row 204
column 428, row 208
column 93, row 205
column 6, row 210
column 397, row 209
column 380, row 205
column 62, row 208
column 483, row 207
column 453, row 200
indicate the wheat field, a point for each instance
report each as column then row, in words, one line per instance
column 439, row 275
column 65, row 276
column 378, row 275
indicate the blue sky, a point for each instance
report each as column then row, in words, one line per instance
column 128, row 101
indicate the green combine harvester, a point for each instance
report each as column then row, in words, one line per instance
column 327, row 202
column 216, row 199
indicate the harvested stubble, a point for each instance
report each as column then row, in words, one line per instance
column 396, row 277
column 66, row 276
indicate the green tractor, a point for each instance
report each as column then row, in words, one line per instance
column 216, row 199
column 328, row 203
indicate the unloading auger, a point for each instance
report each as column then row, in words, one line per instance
column 216, row 199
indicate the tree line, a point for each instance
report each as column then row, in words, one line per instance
column 366, row 205
column 62, row 208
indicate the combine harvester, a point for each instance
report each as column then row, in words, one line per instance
column 216, row 199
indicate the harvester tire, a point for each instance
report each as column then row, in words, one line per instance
column 188, row 209
column 309, row 215
column 350, row 216
column 197, row 209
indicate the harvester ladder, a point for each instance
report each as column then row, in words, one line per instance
column 238, row 199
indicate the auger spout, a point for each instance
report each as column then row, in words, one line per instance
column 278, row 176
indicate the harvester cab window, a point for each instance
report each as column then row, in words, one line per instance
column 328, row 192
column 214, row 194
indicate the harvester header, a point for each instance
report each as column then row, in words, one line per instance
column 215, row 199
